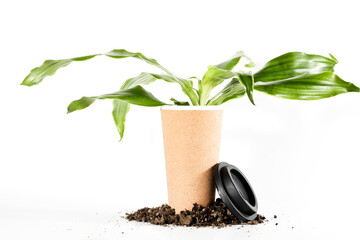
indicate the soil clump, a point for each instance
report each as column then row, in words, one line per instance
column 216, row 215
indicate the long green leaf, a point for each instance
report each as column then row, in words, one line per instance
column 212, row 78
column 233, row 61
column 49, row 67
column 307, row 86
column 293, row 64
column 119, row 113
column 233, row 90
column 136, row 95
column 121, row 108
column 247, row 79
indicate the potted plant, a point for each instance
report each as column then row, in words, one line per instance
column 192, row 128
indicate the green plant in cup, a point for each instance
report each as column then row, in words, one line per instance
column 293, row 75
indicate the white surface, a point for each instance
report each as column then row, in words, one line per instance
column 67, row 177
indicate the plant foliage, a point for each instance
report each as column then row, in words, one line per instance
column 294, row 75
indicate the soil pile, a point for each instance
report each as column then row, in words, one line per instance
column 216, row 215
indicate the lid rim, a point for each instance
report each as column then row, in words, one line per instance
column 224, row 195
column 190, row 108
column 252, row 207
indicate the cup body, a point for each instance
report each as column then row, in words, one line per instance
column 192, row 138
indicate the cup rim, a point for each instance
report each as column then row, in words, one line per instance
column 174, row 107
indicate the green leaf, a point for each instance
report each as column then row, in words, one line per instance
column 80, row 104
column 78, row 59
column 233, row 61
column 307, row 86
column 119, row 113
column 212, row 78
column 333, row 58
column 136, row 95
column 179, row 103
column 294, row 64
column 247, row 79
column 232, row 90
column 49, row 67
column 250, row 65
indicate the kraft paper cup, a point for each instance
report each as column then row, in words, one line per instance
column 191, row 144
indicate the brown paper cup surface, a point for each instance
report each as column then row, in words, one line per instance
column 191, row 145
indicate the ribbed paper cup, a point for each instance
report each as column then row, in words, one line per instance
column 191, row 144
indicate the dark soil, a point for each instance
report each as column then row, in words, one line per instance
column 216, row 215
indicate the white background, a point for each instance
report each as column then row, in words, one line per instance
column 67, row 176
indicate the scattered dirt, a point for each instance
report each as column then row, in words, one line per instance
column 216, row 215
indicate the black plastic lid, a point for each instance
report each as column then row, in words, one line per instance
column 235, row 191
